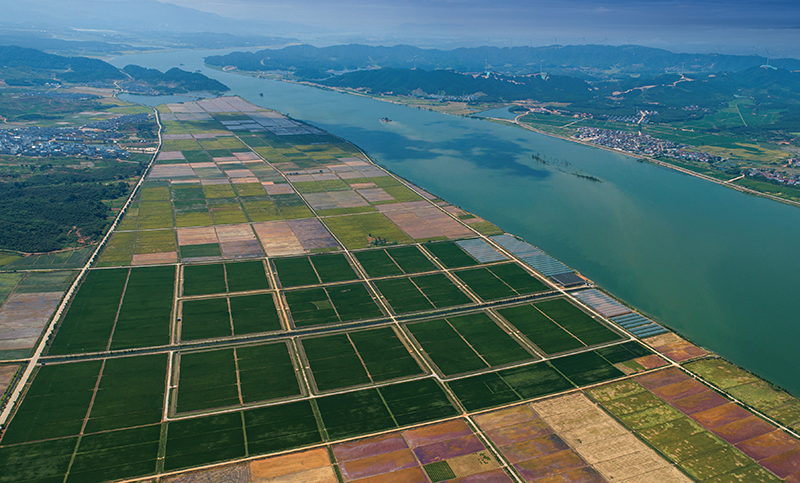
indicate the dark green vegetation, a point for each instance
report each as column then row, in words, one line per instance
column 205, row 319
column 341, row 303
column 55, row 404
column 565, row 59
column 31, row 67
column 294, row 272
column 254, row 313
column 509, row 385
column 209, row 379
column 451, row 255
column 500, row 281
column 96, row 319
column 144, row 317
column 117, row 454
column 174, row 81
column 222, row 278
column 51, row 209
column 334, row 362
column 356, row 358
column 387, row 407
column 557, row 326
column 423, row 292
column 131, row 393
column 204, row 279
column 506, row 386
column 266, row 372
column 193, row 442
column 87, row 325
column 245, row 276
column 467, row 343
column 394, row 261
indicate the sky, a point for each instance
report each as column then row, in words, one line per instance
column 731, row 26
column 769, row 28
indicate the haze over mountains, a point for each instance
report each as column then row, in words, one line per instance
column 736, row 27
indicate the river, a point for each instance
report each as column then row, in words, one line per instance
column 714, row 264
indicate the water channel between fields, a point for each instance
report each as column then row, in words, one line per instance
column 714, row 264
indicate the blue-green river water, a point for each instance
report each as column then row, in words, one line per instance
column 714, row 264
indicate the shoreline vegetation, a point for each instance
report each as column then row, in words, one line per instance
column 445, row 108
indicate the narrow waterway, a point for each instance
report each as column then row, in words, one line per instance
column 714, row 264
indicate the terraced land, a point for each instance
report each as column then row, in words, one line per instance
column 271, row 290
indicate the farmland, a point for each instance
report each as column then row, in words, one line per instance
column 270, row 289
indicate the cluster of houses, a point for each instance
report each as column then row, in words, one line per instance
column 775, row 176
column 68, row 141
column 638, row 143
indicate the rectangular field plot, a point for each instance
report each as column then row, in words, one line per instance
column 207, row 380
column 295, row 272
column 490, row 341
column 451, row 255
column 500, row 281
column 144, row 317
column 394, row 261
column 281, row 427
column 448, row 350
column 246, row 276
column 557, row 326
column 423, row 292
column 539, row 329
column 384, row 355
column 506, row 386
column 204, row 440
column 117, row 454
column 467, row 343
column 356, row 358
column 204, row 279
column 55, row 404
column 46, row 461
column 254, row 313
column 334, row 362
column 577, row 322
column 88, row 324
column 586, row 368
column 266, row 372
column 131, row 393
column 354, row 231
column 333, row 268
column 387, row 407
column 204, row 319
column 342, row 303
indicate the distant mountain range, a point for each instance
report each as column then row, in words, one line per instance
column 584, row 61
column 28, row 67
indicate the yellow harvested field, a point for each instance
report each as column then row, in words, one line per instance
column 155, row 258
column 312, row 466
column 277, row 238
column 612, row 450
column 196, row 236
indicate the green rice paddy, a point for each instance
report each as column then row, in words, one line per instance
column 204, row 279
column 90, row 319
column 467, row 343
column 357, row 358
column 394, row 261
column 557, row 326
column 246, row 276
column 145, row 314
column 451, row 255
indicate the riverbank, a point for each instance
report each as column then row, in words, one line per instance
column 648, row 159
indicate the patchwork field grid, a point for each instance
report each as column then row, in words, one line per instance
column 274, row 306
